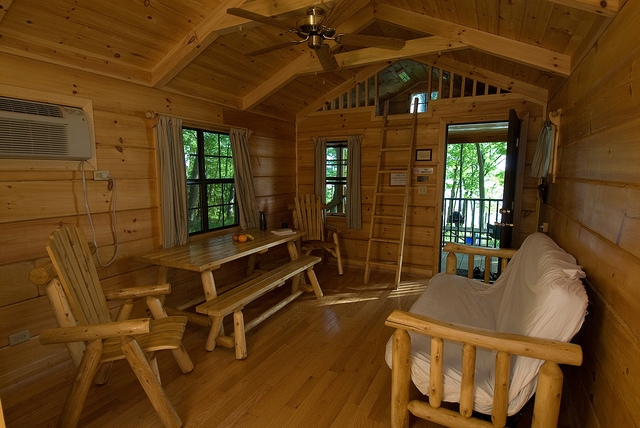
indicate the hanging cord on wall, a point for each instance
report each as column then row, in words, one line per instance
column 113, row 211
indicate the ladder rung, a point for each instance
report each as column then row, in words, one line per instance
column 396, row 149
column 392, row 170
column 391, row 194
column 386, row 240
column 395, row 127
column 381, row 263
column 388, row 216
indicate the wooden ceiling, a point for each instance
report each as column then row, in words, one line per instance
column 195, row 47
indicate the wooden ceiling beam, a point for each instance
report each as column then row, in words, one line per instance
column 218, row 23
column 4, row 7
column 608, row 8
column 493, row 44
column 306, row 63
column 416, row 47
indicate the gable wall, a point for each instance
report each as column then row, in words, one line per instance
column 594, row 212
column 36, row 202
column 422, row 233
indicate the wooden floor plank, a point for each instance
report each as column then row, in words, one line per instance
column 314, row 363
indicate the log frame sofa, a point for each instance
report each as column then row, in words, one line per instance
column 499, row 349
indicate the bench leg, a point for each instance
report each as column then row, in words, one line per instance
column 314, row 282
column 216, row 325
column 238, row 334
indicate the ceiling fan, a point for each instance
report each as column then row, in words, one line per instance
column 314, row 29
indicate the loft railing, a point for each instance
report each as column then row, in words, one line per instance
column 471, row 221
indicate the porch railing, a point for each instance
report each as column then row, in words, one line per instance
column 471, row 221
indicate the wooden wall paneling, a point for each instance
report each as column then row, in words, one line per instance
column 609, row 336
column 33, row 315
column 23, row 360
column 15, row 285
column 65, row 198
column 109, row 95
column 27, row 239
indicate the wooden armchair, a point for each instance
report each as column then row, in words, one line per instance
column 94, row 341
column 309, row 215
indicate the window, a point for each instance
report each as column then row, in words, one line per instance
column 211, row 198
column 336, row 185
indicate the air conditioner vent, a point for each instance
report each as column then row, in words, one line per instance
column 29, row 107
column 33, row 130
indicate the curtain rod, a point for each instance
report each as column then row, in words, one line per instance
column 200, row 123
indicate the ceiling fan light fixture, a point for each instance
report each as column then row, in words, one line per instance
column 315, row 41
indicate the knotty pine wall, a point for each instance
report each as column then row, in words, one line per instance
column 594, row 213
column 36, row 202
column 420, row 253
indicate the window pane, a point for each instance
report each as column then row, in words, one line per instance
column 229, row 215
column 193, row 196
column 190, row 140
column 212, row 167
column 195, row 220
column 214, row 194
column 226, row 166
column 211, row 146
column 215, row 217
column 225, row 145
column 228, row 194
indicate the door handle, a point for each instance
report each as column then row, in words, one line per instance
column 503, row 224
column 504, row 211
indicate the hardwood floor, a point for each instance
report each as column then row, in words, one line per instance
column 315, row 363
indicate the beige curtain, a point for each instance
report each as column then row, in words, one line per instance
column 320, row 167
column 354, row 204
column 542, row 156
column 243, row 177
column 173, row 181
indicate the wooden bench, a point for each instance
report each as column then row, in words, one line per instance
column 234, row 301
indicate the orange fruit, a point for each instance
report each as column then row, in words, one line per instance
column 235, row 237
column 242, row 238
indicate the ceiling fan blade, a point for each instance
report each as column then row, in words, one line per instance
column 275, row 47
column 370, row 41
column 257, row 17
column 326, row 58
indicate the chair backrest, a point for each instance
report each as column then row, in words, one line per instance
column 73, row 262
column 309, row 215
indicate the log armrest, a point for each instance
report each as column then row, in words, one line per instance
column 83, row 333
column 515, row 344
column 332, row 228
column 137, row 292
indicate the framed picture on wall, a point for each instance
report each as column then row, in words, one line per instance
column 423, row 155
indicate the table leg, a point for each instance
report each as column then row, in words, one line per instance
column 163, row 274
column 293, row 253
column 209, row 285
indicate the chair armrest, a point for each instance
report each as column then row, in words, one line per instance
column 137, row 292
column 515, row 344
column 451, row 247
column 83, row 333
column 332, row 228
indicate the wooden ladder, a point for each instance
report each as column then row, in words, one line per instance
column 391, row 195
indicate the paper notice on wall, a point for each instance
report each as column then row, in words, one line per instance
column 398, row 179
column 422, row 171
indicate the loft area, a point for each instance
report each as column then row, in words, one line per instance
column 406, row 80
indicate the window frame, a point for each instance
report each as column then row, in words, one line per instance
column 341, row 163
column 203, row 182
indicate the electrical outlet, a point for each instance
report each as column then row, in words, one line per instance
column 19, row 337
column 100, row 175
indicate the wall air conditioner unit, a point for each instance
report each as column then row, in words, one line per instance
column 35, row 130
